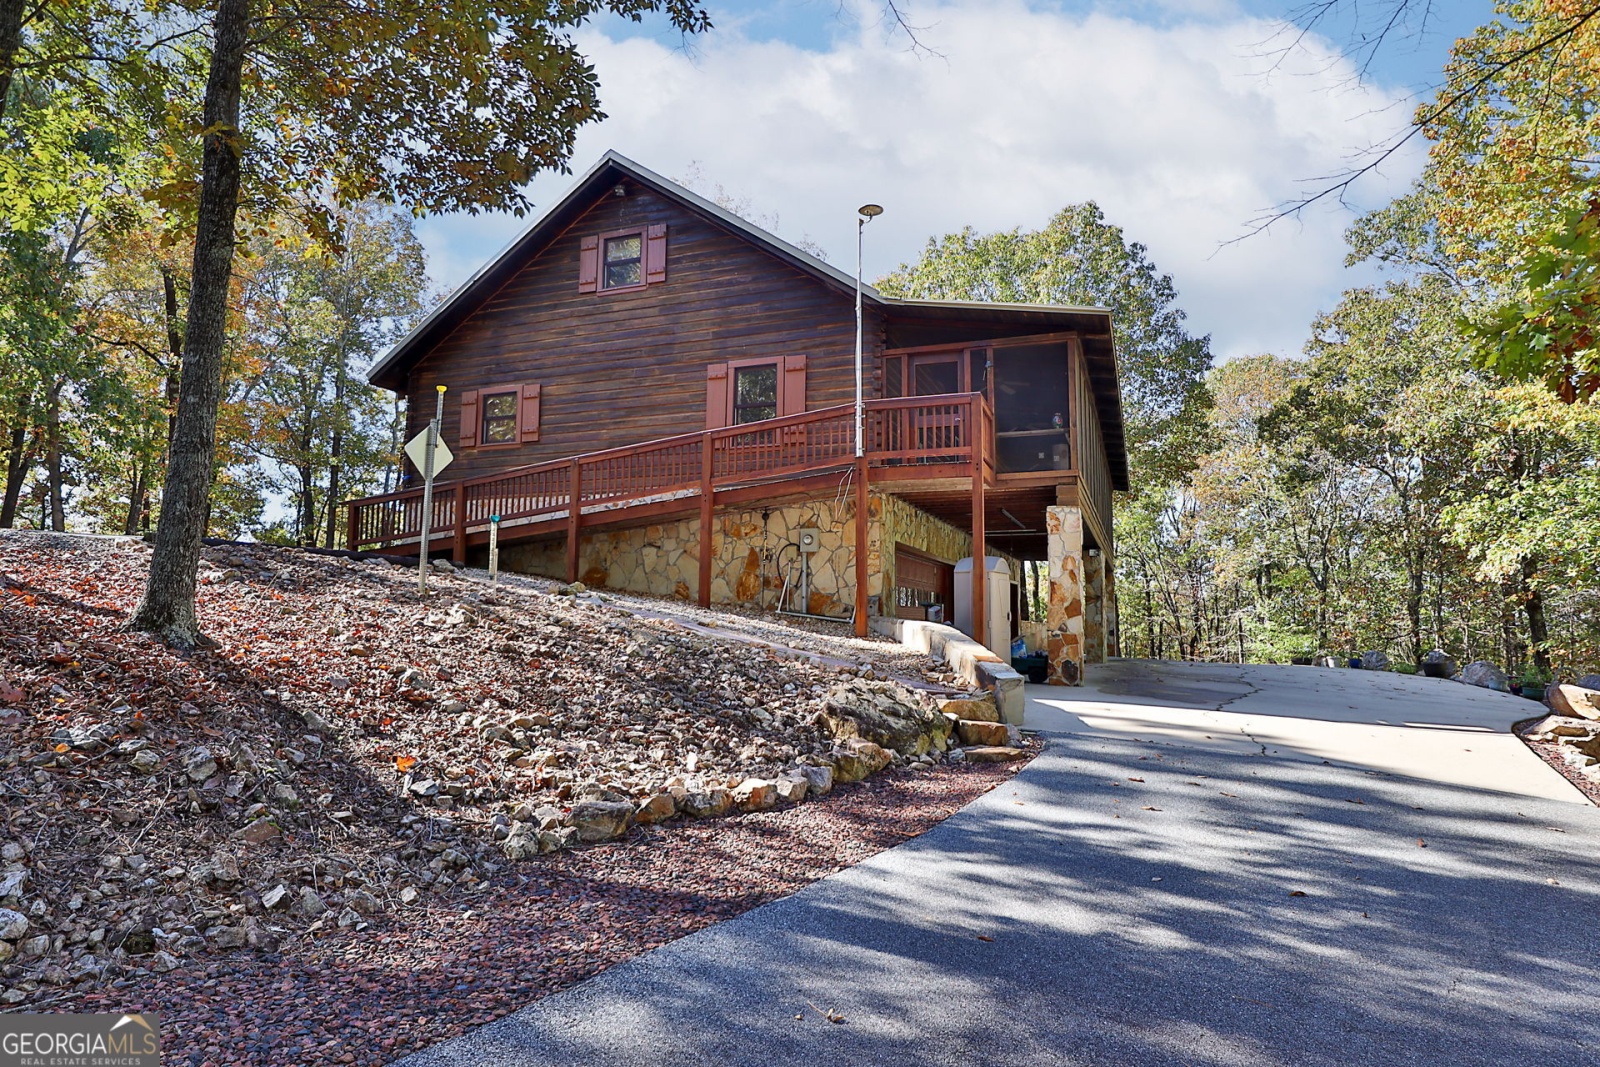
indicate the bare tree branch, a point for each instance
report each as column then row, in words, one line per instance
column 1338, row 185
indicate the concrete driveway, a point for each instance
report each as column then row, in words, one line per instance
column 1427, row 728
column 1169, row 883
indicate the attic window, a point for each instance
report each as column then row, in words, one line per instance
column 624, row 261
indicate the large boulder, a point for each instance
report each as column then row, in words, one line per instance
column 1486, row 675
column 1575, row 701
column 1439, row 664
column 819, row 780
column 1374, row 660
column 1553, row 727
column 1588, row 681
column 975, row 709
column 601, row 820
column 655, row 808
column 884, row 713
column 755, row 794
column 994, row 754
column 855, row 758
column 705, row 804
column 983, row 733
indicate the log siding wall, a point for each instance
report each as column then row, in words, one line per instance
column 619, row 368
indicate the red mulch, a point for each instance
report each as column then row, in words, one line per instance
column 1550, row 752
column 365, row 999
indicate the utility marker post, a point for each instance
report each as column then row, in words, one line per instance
column 427, row 492
column 494, row 548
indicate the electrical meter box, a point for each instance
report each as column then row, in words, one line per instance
column 808, row 539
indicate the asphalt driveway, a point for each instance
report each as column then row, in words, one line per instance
column 1162, row 886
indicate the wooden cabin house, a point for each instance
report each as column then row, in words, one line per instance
column 650, row 393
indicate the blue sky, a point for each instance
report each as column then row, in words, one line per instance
column 1172, row 115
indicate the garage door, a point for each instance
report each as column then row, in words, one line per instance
column 923, row 585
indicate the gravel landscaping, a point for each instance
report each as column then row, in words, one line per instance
column 359, row 798
column 435, row 972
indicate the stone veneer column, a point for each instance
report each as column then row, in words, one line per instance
column 1064, row 630
column 1094, row 608
column 1113, row 621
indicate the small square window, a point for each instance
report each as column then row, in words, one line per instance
column 755, row 393
column 624, row 261
column 500, row 419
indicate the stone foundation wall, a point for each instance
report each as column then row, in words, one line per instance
column 903, row 524
column 749, row 560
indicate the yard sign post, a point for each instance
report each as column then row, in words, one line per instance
column 494, row 548
column 427, row 492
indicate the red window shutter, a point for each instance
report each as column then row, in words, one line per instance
column 792, row 393
column 589, row 265
column 655, row 254
column 469, row 419
column 528, row 414
column 717, row 396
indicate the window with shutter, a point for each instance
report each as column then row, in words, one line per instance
column 623, row 260
column 755, row 393
column 501, row 416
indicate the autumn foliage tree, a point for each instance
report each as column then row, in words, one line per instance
column 316, row 105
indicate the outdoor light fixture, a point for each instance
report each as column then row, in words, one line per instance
column 865, row 214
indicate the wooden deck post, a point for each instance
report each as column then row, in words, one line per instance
column 574, row 519
column 707, row 490
column 980, row 575
column 458, row 551
column 861, row 547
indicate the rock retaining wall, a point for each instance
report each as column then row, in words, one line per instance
column 749, row 560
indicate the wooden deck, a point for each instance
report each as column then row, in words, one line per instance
column 943, row 441
column 918, row 439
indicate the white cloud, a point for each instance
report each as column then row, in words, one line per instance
column 1174, row 129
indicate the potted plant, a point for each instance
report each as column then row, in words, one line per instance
column 1533, row 684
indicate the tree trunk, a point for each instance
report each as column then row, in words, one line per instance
column 11, row 12
column 169, row 287
column 167, row 609
column 1538, row 628
column 135, row 500
column 55, row 482
column 18, row 459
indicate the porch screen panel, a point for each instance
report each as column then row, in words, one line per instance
column 1032, row 407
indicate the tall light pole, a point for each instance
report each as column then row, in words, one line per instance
column 864, row 214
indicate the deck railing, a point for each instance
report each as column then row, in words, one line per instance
column 900, row 432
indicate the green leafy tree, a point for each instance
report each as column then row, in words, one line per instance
column 316, row 321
